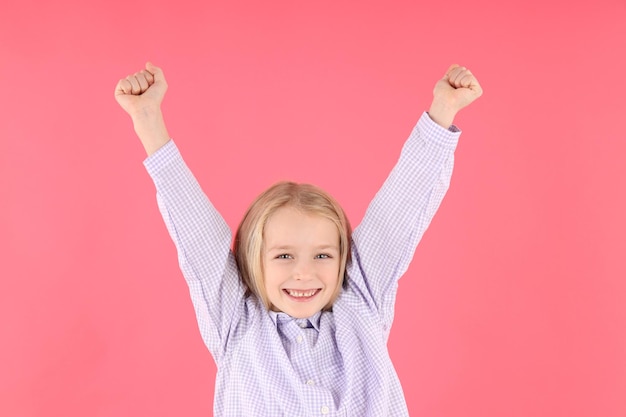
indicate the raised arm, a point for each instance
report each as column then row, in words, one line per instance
column 201, row 235
column 402, row 209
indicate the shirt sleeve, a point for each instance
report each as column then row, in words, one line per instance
column 202, row 240
column 397, row 217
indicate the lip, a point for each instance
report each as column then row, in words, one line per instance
column 301, row 299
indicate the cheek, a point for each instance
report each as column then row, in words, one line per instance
column 331, row 274
column 272, row 278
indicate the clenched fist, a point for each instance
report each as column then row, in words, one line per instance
column 140, row 95
column 141, row 92
column 457, row 89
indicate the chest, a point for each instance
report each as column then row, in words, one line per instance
column 288, row 368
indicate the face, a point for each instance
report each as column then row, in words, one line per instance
column 301, row 261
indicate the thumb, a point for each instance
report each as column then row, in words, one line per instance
column 156, row 72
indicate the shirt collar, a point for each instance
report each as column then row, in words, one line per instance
column 280, row 318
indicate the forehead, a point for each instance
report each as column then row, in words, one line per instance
column 289, row 226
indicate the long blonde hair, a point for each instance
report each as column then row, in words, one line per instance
column 309, row 199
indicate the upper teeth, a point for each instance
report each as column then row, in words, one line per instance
column 294, row 293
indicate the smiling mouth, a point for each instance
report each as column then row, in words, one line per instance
column 302, row 295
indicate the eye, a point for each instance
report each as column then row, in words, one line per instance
column 283, row 256
column 323, row 256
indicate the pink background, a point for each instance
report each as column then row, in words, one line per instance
column 515, row 304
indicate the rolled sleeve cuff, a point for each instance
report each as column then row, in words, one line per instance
column 438, row 134
column 161, row 158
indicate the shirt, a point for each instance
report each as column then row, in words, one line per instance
column 335, row 363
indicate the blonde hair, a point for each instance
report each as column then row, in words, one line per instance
column 309, row 199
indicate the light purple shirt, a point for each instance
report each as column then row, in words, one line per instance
column 335, row 363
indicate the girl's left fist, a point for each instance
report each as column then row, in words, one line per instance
column 457, row 89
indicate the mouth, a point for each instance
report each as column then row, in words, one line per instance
column 302, row 295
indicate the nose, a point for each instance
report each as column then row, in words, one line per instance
column 303, row 269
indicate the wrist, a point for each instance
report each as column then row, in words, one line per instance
column 148, row 114
column 442, row 113
column 151, row 130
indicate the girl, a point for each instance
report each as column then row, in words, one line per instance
column 298, row 315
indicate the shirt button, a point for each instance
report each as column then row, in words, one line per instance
column 299, row 339
column 325, row 410
column 310, row 382
column 303, row 325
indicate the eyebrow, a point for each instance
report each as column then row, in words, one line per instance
column 290, row 247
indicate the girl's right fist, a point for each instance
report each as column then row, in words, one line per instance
column 141, row 92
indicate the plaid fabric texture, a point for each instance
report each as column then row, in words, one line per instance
column 334, row 363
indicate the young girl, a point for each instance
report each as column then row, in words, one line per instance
column 298, row 315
